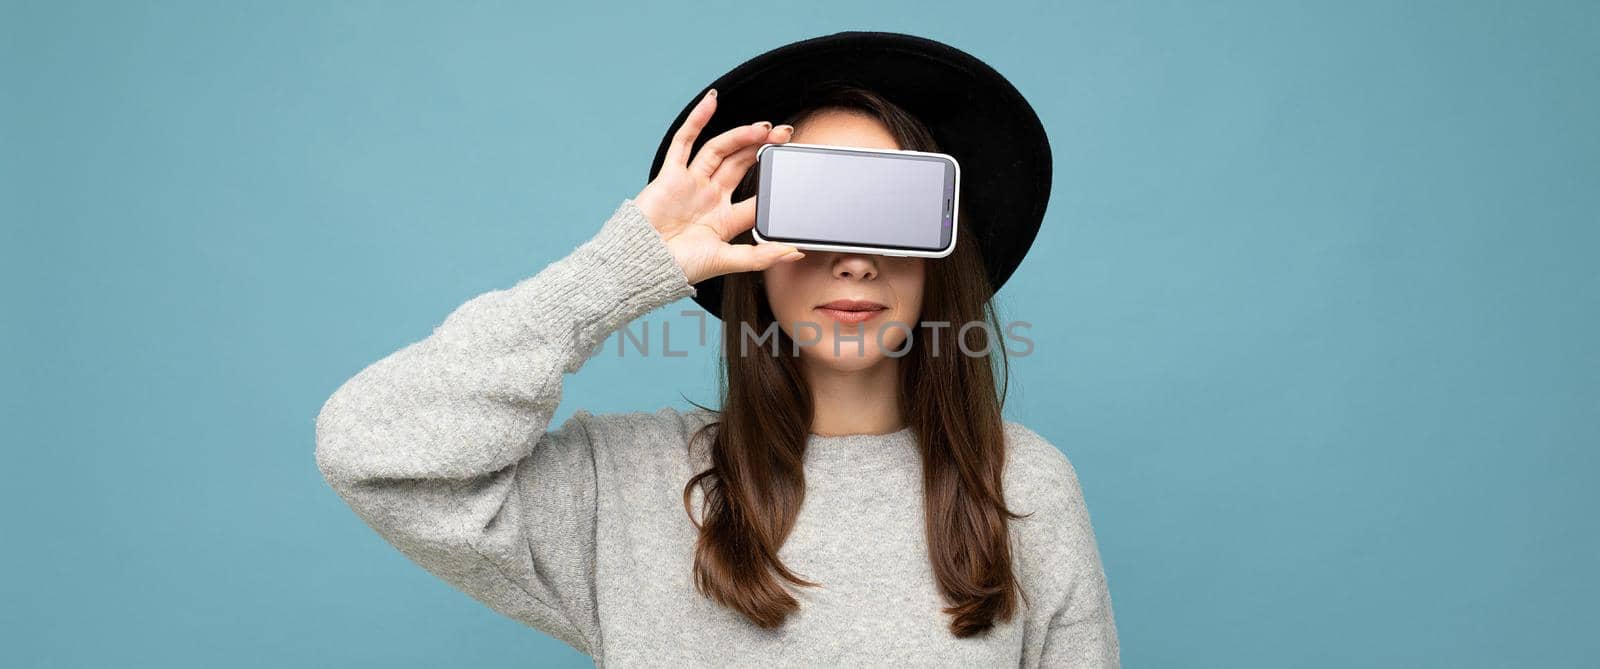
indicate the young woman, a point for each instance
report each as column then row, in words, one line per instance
column 846, row 505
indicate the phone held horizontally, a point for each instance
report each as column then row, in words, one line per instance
column 857, row 199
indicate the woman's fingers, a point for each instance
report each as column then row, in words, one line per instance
column 755, row 257
column 735, row 166
column 683, row 139
column 710, row 157
column 685, row 203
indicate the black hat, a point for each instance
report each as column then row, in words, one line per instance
column 973, row 112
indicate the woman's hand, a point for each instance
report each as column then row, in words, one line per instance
column 690, row 206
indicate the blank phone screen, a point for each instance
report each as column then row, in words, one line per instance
column 895, row 201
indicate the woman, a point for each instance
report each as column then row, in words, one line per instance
column 844, row 506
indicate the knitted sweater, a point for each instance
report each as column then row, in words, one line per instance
column 445, row 448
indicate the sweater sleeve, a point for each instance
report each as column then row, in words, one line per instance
column 444, row 447
column 1081, row 630
column 1069, row 622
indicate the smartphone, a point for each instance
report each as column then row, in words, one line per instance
column 855, row 199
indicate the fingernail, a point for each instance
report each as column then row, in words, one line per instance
column 711, row 93
column 794, row 256
column 765, row 124
column 786, row 128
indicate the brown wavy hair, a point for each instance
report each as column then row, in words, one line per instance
column 756, row 482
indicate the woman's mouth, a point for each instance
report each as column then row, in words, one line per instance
column 851, row 311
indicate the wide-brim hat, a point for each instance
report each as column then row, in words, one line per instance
column 975, row 115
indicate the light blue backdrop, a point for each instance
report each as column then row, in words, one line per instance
column 1315, row 306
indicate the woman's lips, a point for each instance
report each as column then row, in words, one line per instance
column 850, row 316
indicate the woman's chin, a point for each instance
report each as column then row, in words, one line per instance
column 846, row 359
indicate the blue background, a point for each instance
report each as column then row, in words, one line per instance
column 1310, row 306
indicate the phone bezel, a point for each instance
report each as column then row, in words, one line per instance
column 955, row 205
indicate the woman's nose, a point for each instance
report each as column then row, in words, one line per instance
column 855, row 266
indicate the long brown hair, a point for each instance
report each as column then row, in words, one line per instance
column 756, row 484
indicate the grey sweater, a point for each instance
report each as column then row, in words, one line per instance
column 445, row 448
